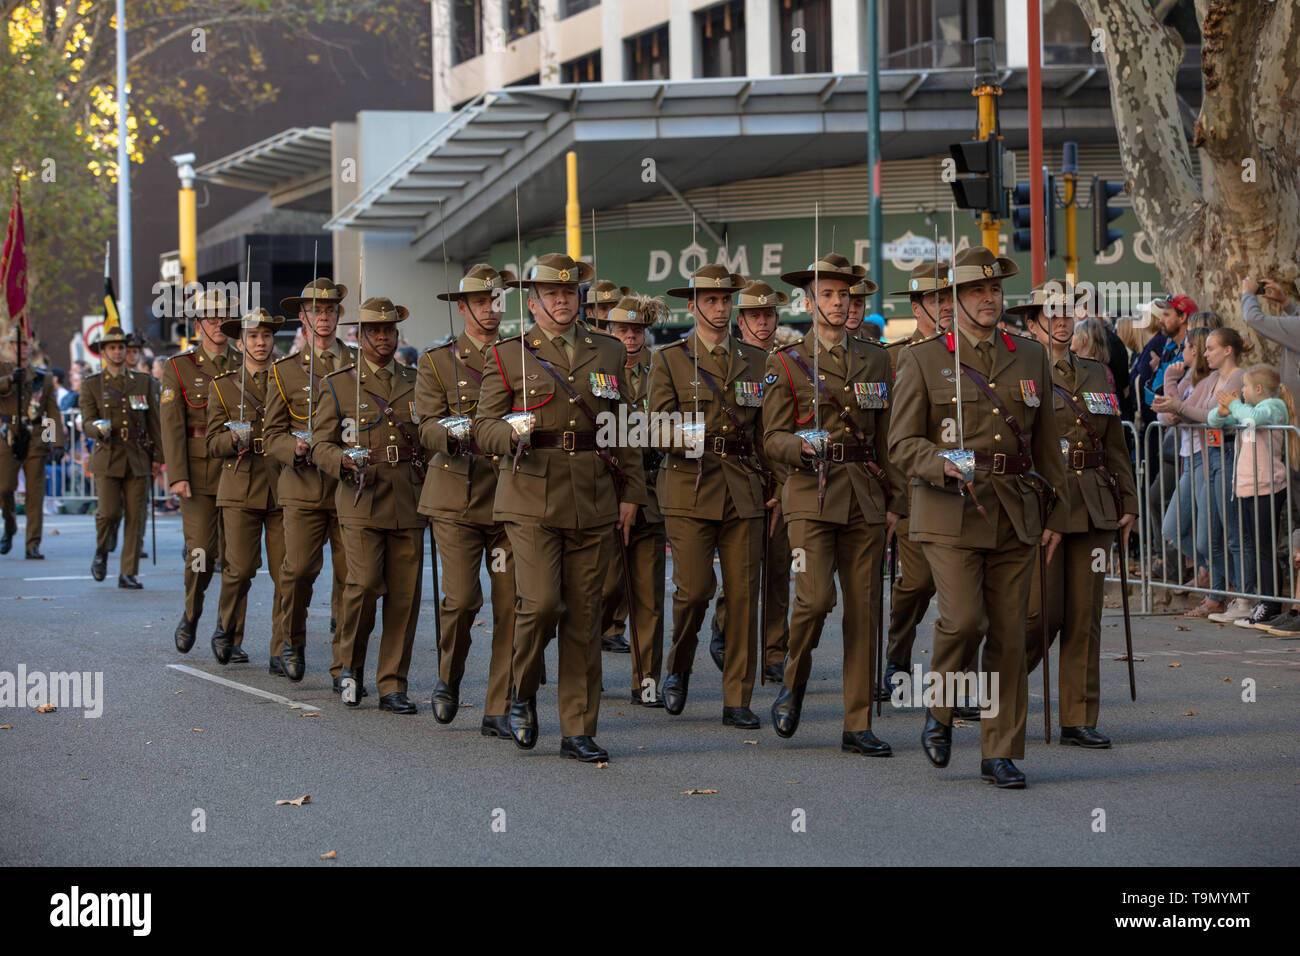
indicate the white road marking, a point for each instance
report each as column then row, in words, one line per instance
column 68, row 577
column 195, row 672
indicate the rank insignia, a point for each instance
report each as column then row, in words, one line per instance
column 1029, row 391
column 604, row 385
column 771, row 379
column 871, row 394
column 1101, row 403
column 139, row 403
column 749, row 394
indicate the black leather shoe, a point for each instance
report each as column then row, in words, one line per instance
column 34, row 554
column 584, row 749
column 786, row 710
column 1085, row 737
column 717, row 645
column 130, row 582
column 99, row 566
column 936, row 739
column 774, row 674
column 656, row 701
column 615, row 644
column 866, row 743
column 739, row 717
column 446, row 701
column 222, row 646
column 276, row 667
column 1003, row 773
column 966, row 713
column 361, row 686
column 397, row 702
column 184, row 635
column 674, row 688
column 886, row 693
column 350, row 689
column 143, row 554
column 238, row 655
column 333, row 624
column 523, row 722
column 7, row 539
column 495, row 725
column 294, row 662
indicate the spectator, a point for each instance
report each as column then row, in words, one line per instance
column 1224, row 349
column 73, row 392
column 1205, row 320
column 1090, row 341
column 1173, row 313
column 407, row 355
column 1261, row 478
column 1282, row 329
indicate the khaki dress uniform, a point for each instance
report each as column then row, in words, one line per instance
column 558, row 501
column 458, row 496
column 122, row 458
column 306, row 493
column 43, row 421
column 383, row 531
column 983, row 566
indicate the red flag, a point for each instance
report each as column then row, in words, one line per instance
column 13, row 262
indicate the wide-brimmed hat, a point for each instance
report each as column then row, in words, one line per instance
column 324, row 291
column 112, row 333
column 831, row 265
column 480, row 278
column 760, row 295
column 978, row 264
column 135, row 341
column 213, row 303
column 922, row 279
column 709, row 278
column 555, row 268
column 378, row 310
column 602, row 290
column 637, row 310
column 1052, row 294
column 252, row 320
column 864, row 288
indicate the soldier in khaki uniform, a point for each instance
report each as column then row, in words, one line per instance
column 756, row 317
column 1102, row 498
column 629, row 322
column 841, row 498
column 557, row 493
column 191, row 474
column 714, row 502
column 134, row 344
column 44, row 428
column 246, row 491
column 304, row 491
column 371, row 407
column 981, row 545
column 602, row 295
column 119, row 416
column 458, row 494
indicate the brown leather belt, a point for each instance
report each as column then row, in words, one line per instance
column 392, row 454
column 566, row 441
column 724, row 445
column 1000, row 464
column 850, row 451
column 1080, row 459
column 197, row 431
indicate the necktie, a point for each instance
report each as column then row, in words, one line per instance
column 384, row 376
column 326, row 362
column 259, row 379
column 985, row 350
column 220, row 363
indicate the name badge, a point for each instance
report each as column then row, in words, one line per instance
column 604, row 385
column 139, row 403
column 749, row 394
column 1101, row 403
column 871, row 394
column 1029, row 392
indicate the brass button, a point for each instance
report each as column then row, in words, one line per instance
column 724, row 428
column 997, row 438
column 570, row 378
column 1079, row 473
column 572, row 422
column 392, row 437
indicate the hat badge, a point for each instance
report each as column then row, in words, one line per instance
column 989, row 270
column 762, row 300
column 564, row 275
column 631, row 314
column 916, row 283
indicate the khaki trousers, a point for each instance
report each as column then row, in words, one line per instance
column 910, row 598
column 777, row 638
column 118, row 496
column 647, row 567
column 306, row 532
column 389, row 564
column 245, row 529
column 201, row 523
column 34, row 497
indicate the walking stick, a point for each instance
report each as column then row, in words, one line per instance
column 437, row 595
column 153, row 520
column 879, row 670
column 1047, row 681
column 1128, row 625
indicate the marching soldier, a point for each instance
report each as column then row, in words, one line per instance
column 304, row 491
column 1102, row 499
column 629, row 322
column 714, row 502
column 756, row 318
column 841, row 497
column 859, row 292
column 134, row 344
column 191, row 474
column 41, row 425
column 458, row 495
column 602, row 295
column 365, row 434
column 118, row 415
column 246, row 491
column 980, row 526
column 558, row 492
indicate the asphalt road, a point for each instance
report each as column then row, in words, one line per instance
column 1197, row 775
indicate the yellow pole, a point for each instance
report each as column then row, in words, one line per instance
column 572, row 218
column 188, row 241
column 1071, row 244
column 989, row 226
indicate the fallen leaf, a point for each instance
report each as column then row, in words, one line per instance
column 1227, row 680
column 46, row 708
column 52, row 531
column 960, row 723
column 751, row 741
column 306, row 798
column 619, row 713
column 6, row 726
column 331, row 855
column 695, row 792
column 1175, row 664
column 1182, row 627
column 1190, row 713
column 85, row 778
column 295, row 707
column 197, row 730
column 602, row 764
column 310, row 713
column 640, row 747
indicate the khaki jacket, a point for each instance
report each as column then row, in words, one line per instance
column 134, row 442
column 895, row 348
column 187, row 379
column 248, row 478
column 42, row 408
column 641, row 402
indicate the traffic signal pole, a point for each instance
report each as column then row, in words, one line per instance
column 1038, row 254
column 988, row 129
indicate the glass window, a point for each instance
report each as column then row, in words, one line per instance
column 521, row 18
column 647, row 55
column 466, row 30
column 929, row 34
column 577, row 6
column 534, row 80
column 808, row 51
column 584, row 69
column 721, row 30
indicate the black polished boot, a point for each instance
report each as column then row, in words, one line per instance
column 866, row 743
column 238, row 655
column 583, row 748
column 774, row 674
column 495, row 725
column 616, row 644
column 739, row 717
column 294, row 662
column 184, row 635
column 446, row 701
column 936, row 739
column 34, row 553
column 523, row 722
column 885, row 693
column 223, row 645
column 786, row 710
column 1001, row 772
column 675, row 687
column 129, row 582
column 7, row 539
column 1085, row 737
column 398, row 703
column 718, row 645
column 99, row 566
column 276, row 666
column 350, row 689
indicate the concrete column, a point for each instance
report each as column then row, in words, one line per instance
column 681, row 41
column 548, row 26
column 441, row 52
column 760, row 40
column 611, row 41
column 849, row 19
column 494, row 44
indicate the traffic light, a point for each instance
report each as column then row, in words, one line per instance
column 1103, row 237
column 1022, row 216
column 981, row 159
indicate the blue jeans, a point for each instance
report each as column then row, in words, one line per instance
column 1223, row 511
column 1186, row 515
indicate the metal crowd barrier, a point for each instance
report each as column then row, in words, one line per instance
column 69, row 482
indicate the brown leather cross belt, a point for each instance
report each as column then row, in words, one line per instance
column 1000, row 464
column 567, row 441
column 1079, row 459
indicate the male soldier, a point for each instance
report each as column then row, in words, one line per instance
column 365, row 433
column 757, row 320
column 982, row 543
column 246, row 491
column 191, row 474
column 304, row 491
column 858, row 296
column 558, row 492
column 117, row 414
column 1102, row 498
column 457, row 498
column 40, row 422
column 826, row 401
column 646, row 563
column 602, row 295
column 714, row 502
column 134, row 344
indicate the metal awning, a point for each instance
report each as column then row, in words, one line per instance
column 291, row 166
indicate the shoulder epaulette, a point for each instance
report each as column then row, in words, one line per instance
column 339, row 371
column 286, row 358
column 217, row 378
column 673, row 344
